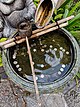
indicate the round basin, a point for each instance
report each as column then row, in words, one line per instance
column 55, row 59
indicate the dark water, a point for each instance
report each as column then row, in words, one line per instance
column 52, row 57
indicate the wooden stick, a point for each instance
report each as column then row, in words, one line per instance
column 33, row 73
column 53, row 24
column 9, row 40
column 49, row 30
column 39, row 30
column 35, row 35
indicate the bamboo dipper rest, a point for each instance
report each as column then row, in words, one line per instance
column 25, row 29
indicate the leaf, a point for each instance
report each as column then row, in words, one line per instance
column 74, row 8
column 59, row 16
column 65, row 3
column 77, row 81
column 36, row 4
column 65, row 13
column 36, row 1
column 3, row 39
column 71, row 22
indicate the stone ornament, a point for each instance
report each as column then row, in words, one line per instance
column 13, row 12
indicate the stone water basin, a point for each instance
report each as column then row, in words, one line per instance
column 55, row 59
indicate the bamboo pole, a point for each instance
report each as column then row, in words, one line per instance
column 38, row 30
column 35, row 35
column 33, row 73
column 53, row 24
column 49, row 30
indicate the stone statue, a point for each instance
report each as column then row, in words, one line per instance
column 13, row 12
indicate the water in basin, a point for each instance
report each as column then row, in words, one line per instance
column 52, row 57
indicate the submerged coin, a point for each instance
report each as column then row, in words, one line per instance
column 61, row 69
column 53, row 40
column 36, row 78
column 42, row 50
column 59, row 73
column 34, row 50
column 67, row 53
column 63, row 65
column 17, row 66
column 55, row 49
column 14, row 56
column 19, row 69
column 61, row 48
column 42, row 76
column 50, row 46
column 42, row 66
column 33, row 63
column 47, row 51
column 15, row 62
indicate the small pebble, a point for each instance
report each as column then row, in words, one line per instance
column 36, row 78
column 42, row 50
column 55, row 49
column 17, row 66
column 42, row 76
column 63, row 65
column 19, row 69
column 34, row 50
column 61, row 69
column 15, row 62
column 50, row 46
column 67, row 53
column 42, row 66
column 59, row 73
column 61, row 48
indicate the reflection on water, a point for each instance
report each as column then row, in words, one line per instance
column 52, row 58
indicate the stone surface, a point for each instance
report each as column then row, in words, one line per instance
column 12, row 95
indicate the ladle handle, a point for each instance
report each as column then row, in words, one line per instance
column 33, row 73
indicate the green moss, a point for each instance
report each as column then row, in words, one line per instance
column 1, row 40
